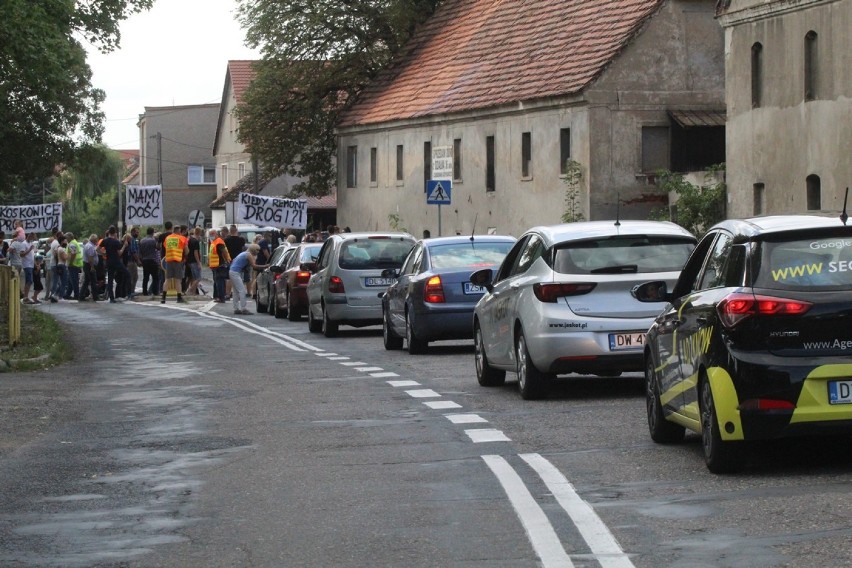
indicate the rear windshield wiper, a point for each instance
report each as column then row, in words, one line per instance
column 618, row 269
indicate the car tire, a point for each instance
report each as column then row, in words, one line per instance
column 292, row 312
column 416, row 346
column 532, row 383
column 391, row 340
column 329, row 327
column 487, row 375
column 662, row 431
column 277, row 311
column 314, row 325
column 261, row 308
column 719, row 455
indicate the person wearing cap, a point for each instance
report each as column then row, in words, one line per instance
column 244, row 260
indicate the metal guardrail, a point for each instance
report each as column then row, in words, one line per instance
column 10, row 301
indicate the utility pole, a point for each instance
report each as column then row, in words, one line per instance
column 160, row 159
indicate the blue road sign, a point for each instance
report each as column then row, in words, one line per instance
column 439, row 192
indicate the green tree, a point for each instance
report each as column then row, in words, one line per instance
column 48, row 106
column 317, row 56
column 94, row 169
column 95, row 216
column 698, row 207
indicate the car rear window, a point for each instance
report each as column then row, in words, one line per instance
column 823, row 262
column 310, row 254
column 468, row 255
column 622, row 255
column 369, row 254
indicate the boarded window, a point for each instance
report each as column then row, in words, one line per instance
column 374, row 165
column 756, row 75
column 655, row 148
column 814, row 192
column 489, row 163
column 457, row 159
column 810, row 65
column 399, row 170
column 526, row 154
column 758, row 190
column 564, row 150
column 352, row 166
column 427, row 164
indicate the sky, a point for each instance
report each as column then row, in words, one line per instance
column 176, row 53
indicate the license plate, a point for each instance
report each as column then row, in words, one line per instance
column 626, row 341
column 385, row 282
column 473, row 288
column 840, row 392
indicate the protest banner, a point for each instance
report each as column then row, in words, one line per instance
column 144, row 205
column 36, row 218
column 272, row 211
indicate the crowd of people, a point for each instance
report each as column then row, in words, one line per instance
column 106, row 267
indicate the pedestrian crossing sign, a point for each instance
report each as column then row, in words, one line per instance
column 439, row 191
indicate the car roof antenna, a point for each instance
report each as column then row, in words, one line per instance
column 617, row 209
column 475, row 217
column 844, row 216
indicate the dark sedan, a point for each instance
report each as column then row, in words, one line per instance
column 266, row 277
column 433, row 298
column 288, row 297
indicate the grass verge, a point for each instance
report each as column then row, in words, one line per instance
column 43, row 344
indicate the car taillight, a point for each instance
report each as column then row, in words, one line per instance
column 766, row 404
column 434, row 292
column 736, row 307
column 302, row 277
column 275, row 277
column 552, row 292
column 335, row 285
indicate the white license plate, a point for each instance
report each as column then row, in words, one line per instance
column 473, row 288
column 385, row 282
column 626, row 341
column 840, row 392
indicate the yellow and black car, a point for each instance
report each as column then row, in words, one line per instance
column 756, row 342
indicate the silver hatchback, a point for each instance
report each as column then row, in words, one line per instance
column 347, row 281
column 561, row 303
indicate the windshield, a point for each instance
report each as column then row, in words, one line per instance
column 468, row 255
column 374, row 253
column 309, row 254
column 823, row 262
column 622, row 255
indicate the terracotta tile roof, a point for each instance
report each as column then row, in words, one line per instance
column 241, row 72
column 270, row 188
column 474, row 54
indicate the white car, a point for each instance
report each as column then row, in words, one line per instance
column 561, row 303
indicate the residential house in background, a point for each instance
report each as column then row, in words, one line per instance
column 176, row 151
column 130, row 158
column 236, row 168
column 789, row 101
column 519, row 93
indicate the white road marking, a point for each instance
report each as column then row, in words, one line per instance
column 540, row 532
column 383, row 375
column 403, row 383
column 368, row 369
column 596, row 534
column 465, row 418
column 484, row 435
column 423, row 393
column 353, row 363
column 339, row 358
column 325, row 354
column 442, row 404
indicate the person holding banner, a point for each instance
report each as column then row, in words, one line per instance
column 176, row 249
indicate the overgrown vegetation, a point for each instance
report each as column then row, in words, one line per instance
column 43, row 343
column 698, row 207
column 395, row 222
column 573, row 204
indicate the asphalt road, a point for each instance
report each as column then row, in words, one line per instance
column 187, row 436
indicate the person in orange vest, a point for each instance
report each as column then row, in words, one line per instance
column 218, row 260
column 175, row 245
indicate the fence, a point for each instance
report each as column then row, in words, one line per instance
column 10, row 301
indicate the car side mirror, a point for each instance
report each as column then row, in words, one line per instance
column 655, row 291
column 483, row 277
column 390, row 273
column 308, row 267
column 276, row 269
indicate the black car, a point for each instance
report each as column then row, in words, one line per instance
column 756, row 343
column 263, row 286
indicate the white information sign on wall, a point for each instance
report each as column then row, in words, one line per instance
column 442, row 162
column 272, row 211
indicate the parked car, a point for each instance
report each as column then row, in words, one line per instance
column 560, row 301
column 267, row 276
column 346, row 285
column 433, row 298
column 288, row 297
column 756, row 341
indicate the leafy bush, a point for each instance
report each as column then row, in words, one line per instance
column 698, row 207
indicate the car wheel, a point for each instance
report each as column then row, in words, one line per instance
column 314, row 325
column 329, row 327
column 277, row 311
column 391, row 340
column 662, row 431
column 292, row 312
column 531, row 382
column 416, row 346
column 487, row 375
column 720, row 456
column 261, row 308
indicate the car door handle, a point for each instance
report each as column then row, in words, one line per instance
column 515, row 285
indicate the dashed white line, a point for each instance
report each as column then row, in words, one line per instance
column 326, row 354
column 423, row 393
column 368, row 369
column 403, row 383
column 353, row 363
column 540, row 532
column 339, row 358
column 383, row 375
column 465, row 418
column 442, row 404
column 484, row 435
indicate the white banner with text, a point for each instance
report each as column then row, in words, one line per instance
column 144, row 205
column 272, row 211
column 35, row 218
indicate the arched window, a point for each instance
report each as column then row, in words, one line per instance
column 814, row 191
column 756, row 74
column 810, row 65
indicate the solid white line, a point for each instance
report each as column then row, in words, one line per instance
column 596, row 534
column 484, row 435
column 442, row 404
column 423, row 393
column 539, row 531
column 403, row 383
column 465, row 418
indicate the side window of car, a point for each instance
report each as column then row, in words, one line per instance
column 716, row 267
column 688, row 279
column 413, row 256
column 530, row 254
column 511, row 257
column 325, row 253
